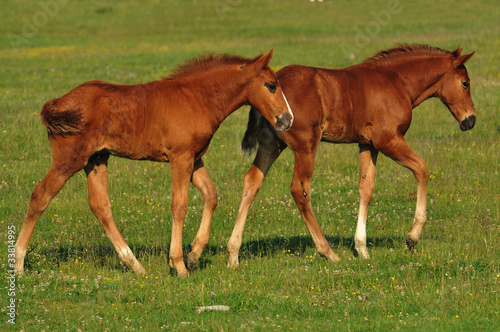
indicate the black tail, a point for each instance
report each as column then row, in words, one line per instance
column 249, row 142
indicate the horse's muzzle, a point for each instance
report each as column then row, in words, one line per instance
column 468, row 123
column 284, row 122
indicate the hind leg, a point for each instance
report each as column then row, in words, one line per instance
column 97, row 178
column 368, row 160
column 266, row 155
column 202, row 181
column 40, row 199
column 69, row 156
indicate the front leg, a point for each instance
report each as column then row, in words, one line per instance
column 202, row 181
column 181, row 169
column 368, row 160
column 399, row 150
column 301, row 192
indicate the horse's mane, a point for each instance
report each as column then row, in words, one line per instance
column 405, row 49
column 208, row 61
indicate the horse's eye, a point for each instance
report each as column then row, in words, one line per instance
column 271, row 86
column 465, row 84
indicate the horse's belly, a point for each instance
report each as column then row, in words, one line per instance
column 138, row 151
column 337, row 134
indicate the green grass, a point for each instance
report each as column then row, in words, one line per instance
column 74, row 280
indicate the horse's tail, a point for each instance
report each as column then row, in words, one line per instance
column 249, row 142
column 65, row 121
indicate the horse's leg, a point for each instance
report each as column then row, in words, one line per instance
column 40, row 198
column 267, row 153
column 368, row 160
column 301, row 192
column 97, row 178
column 181, row 170
column 69, row 156
column 399, row 150
column 202, row 181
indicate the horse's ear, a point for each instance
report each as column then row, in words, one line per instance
column 263, row 61
column 457, row 52
column 461, row 59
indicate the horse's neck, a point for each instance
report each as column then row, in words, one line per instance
column 222, row 97
column 420, row 77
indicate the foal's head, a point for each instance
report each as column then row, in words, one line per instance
column 264, row 93
column 454, row 91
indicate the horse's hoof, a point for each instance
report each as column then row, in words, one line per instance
column 134, row 265
column 410, row 243
column 363, row 253
column 233, row 261
column 140, row 270
column 191, row 262
column 330, row 256
column 19, row 269
column 233, row 265
column 182, row 273
column 334, row 258
column 179, row 267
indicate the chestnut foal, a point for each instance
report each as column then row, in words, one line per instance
column 170, row 120
column 369, row 104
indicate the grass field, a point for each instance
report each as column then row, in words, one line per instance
column 73, row 278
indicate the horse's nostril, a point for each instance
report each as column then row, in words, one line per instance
column 468, row 123
column 284, row 122
column 472, row 121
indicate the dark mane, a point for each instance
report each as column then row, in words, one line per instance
column 405, row 49
column 208, row 61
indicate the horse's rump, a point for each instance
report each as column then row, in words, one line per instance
column 61, row 122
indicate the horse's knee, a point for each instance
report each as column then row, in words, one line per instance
column 299, row 192
column 179, row 209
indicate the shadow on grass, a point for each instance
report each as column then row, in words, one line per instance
column 106, row 256
column 103, row 255
column 299, row 244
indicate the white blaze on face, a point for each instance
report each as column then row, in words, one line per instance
column 288, row 106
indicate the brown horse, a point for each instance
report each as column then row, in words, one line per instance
column 170, row 120
column 369, row 104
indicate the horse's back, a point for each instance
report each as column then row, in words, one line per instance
column 343, row 104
